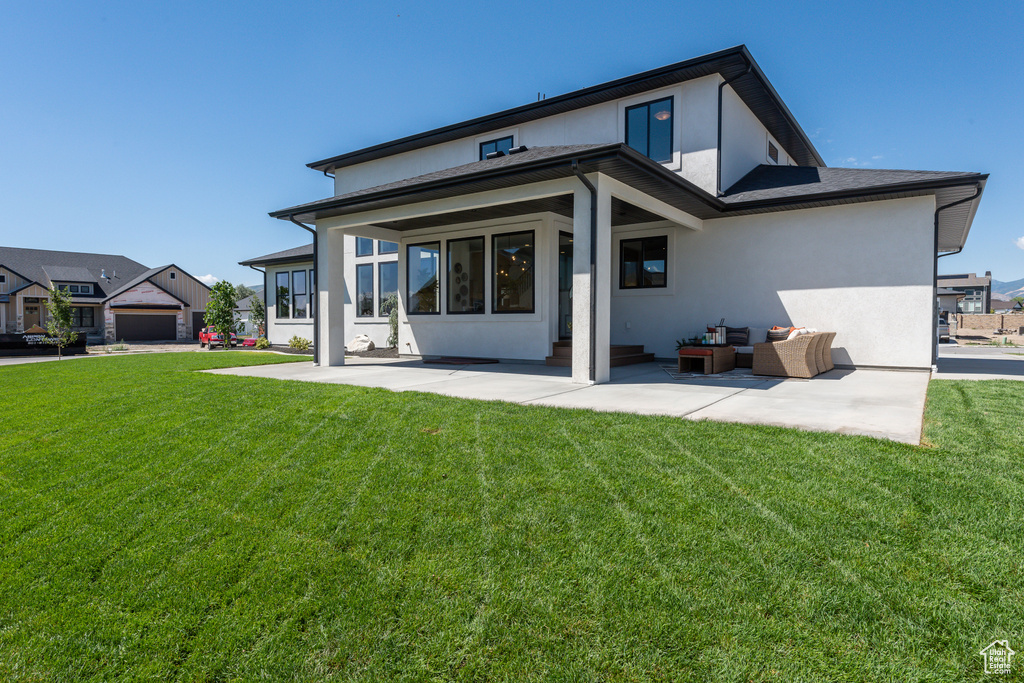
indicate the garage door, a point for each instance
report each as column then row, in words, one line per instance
column 197, row 323
column 145, row 327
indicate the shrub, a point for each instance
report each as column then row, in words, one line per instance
column 262, row 343
column 390, row 305
column 299, row 343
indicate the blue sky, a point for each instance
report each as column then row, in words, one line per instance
column 167, row 131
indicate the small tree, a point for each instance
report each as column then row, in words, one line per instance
column 242, row 291
column 220, row 311
column 59, row 319
column 258, row 315
column 390, row 306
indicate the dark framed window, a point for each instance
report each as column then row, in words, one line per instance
column 422, row 278
column 73, row 289
column 498, row 145
column 364, row 290
column 283, row 295
column 173, row 275
column 513, row 273
column 62, row 288
column 82, row 316
column 385, row 247
column 86, row 289
column 299, row 294
column 649, row 128
column 643, row 262
column 312, row 291
column 773, row 152
column 364, row 246
column 3, row 279
column 387, row 285
column 466, row 275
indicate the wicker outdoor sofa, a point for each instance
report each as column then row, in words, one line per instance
column 804, row 356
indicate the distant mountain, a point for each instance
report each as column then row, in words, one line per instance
column 1010, row 289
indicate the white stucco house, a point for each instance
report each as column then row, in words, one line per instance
column 636, row 212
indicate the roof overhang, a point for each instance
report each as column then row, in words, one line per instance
column 750, row 84
column 628, row 166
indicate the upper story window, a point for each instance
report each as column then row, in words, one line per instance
column 85, row 289
column 773, row 152
column 3, row 279
column 173, row 275
column 649, row 129
column 500, row 145
column 385, row 247
column 364, row 246
column 643, row 262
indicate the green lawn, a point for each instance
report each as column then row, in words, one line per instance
column 164, row 524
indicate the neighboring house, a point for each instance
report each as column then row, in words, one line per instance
column 112, row 297
column 371, row 275
column 948, row 299
column 635, row 212
column 977, row 291
column 1006, row 307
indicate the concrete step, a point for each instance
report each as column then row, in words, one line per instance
column 614, row 361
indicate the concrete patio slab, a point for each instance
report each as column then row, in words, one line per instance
column 883, row 404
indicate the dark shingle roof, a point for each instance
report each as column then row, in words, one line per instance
column 68, row 274
column 767, row 182
column 35, row 264
column 305, row 252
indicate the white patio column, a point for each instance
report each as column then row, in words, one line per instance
column 330, row 282
column 586, row 329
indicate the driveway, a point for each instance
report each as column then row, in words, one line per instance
column 883, row 404
column 980, row 362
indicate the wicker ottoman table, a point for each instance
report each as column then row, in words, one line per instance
column 707, row 359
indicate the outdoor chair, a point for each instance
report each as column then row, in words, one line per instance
column 797, row 357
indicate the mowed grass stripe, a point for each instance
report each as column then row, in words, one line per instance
column 300, row 531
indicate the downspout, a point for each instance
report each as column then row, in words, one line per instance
column 266, row 313
column 316, row 306
column 721, row 87
column 935, row 269
column 593, row 267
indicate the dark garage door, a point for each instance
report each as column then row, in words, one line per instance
column 197, row 323
column 145, row 327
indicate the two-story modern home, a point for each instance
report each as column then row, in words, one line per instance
column 371, row 276
column 976, row 291
column 113, row 297
column 636, row 212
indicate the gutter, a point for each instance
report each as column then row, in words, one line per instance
column 935, row 268
column 721, row 87
column 593, row 267
column 316, row 307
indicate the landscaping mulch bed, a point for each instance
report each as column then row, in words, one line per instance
column 375, row 353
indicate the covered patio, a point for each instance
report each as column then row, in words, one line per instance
column 877, row 403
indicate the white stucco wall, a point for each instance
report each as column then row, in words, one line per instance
column 695, row 138
column 841, row 269
column 744, row 140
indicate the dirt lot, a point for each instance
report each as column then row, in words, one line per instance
column 967, row 337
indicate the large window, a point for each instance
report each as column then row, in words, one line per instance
column 385, row 247
column 642, row 262
column 466, row 275
column 81, row 316
column 364, row 290
column 513, row 272
column 649, row 129
column 387, row 285
column 312, row 291
column 500, row 145
column 364, row 246
column 422, row 278
column 299, row 294
column 283, row 295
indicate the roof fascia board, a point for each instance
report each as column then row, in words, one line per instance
column 308, row 258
